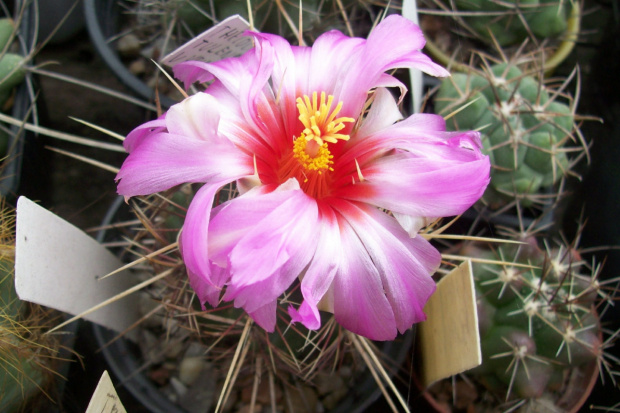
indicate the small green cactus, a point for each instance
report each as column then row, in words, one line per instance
column 512, row 21
column 526, row 130
column 12, row 73
column 536, row 317
column 12, row 69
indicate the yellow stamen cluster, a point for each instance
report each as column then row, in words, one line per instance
column 318, row 162
column 320, row 121
column 310, row 159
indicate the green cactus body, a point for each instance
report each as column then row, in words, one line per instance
column 549, row 20
column 20, row 378
column 12, row 73
column 540, row 325
column 524, row 131
column 188, row 13
column 7, row 28
column 21, row 375
column 510, row 22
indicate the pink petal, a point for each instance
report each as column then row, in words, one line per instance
column 267, row 260
column 208, row 288
column 321, row 271
column 234, row 126
column 244, row 77
column 163, row 160
column 420, row 61
column 280, row 237
column 265, row 316
column 196, row 117
column 360, row 304
column 137, row 135
column 389, row 81
column 233, row 72
column 233, row 220
column 405, row 39
column 265, row 239
column 412, row 224
column 436, row 186
column 339, row 52
column 398, row 266
column 205, row 278
column 373, row 141
column 284, row 76
column 383, row 113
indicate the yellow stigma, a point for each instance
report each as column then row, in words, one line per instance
column 319, row 160
column 320, row 121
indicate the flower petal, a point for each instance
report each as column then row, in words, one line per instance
column 405, row 40
column 441, row 185
column 321, row 271
column 412, row 224
column 267, row 261
column 205, row 278
column 265, row 316
column 267, row 239
column 360, row 305
column 339, row 50
column 245, row 77
column 366, row 68
column 231, row 221
column 372, row 141
column 398, row 266
column 383, row 113
column 136, row 136
column 284, row 78
column 196, row 117
column 163, row 160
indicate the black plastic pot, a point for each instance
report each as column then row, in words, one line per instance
column 125, row 362
column 103, row 21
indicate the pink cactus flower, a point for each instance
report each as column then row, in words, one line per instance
column 334, row 184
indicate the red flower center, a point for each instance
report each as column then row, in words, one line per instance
column 310, row 159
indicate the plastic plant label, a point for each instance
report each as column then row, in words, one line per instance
column 58, row 266
column 105, row 399
column 225, row 39
column 410, row 11
column 449, row 339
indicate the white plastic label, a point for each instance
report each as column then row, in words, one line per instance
column 225, row 39
column 105, row 399
column 58, row 266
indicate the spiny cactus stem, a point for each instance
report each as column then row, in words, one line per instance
column 519, row 354
column 483, row 127
column 506, row 108
column 462, row 107
column 570, row 336
column 505, row 276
